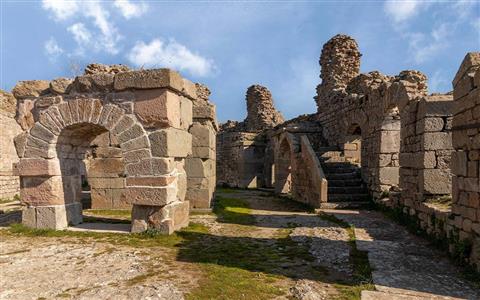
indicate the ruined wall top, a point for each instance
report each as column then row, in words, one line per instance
column 261, row 111
column 340, row 61
column 100, row 69
column 8, row 104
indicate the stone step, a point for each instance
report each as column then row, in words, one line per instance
column 327, row 149
column 345, row 182
column 335, row 170
column 343, row 205
column 343, row 176
column 328, row 154
column 334, row 190
column 332, row 159
column 347, row 197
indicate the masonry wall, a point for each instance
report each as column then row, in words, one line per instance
column 75, row 128
column 9, row 184
column 241, row 146
column 201, row 164
column 465, row 166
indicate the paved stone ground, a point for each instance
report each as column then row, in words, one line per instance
column 404, row 266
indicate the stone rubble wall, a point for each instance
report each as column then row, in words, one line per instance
column 9, row 184
column 201, row 164
column 241, row 146
column 261, row 114
column 104, row 169
column 73, row 128
column 241, row 158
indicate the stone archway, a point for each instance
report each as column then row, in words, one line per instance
column 283, row 168
column 146, row 113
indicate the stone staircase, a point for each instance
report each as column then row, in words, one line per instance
column 346, row 188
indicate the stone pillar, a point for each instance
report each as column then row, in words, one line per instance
column 466, row 158
column 201, row 164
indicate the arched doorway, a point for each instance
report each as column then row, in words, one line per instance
column 53, row 162
column 283, row 168
column 352, row 145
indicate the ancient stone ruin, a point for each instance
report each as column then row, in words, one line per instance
column 142, row 140
column 147, row 140
column 376, row 137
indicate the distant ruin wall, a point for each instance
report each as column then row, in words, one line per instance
column 241, row 146
column 9, row 184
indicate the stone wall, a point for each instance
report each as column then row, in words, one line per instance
column 466, row 158
column 426, row 149
column 71, row 128
column 9, row 184
column 201, row 164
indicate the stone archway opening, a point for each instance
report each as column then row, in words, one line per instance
column 283, row 169
column 352, row 146
column 92, row 167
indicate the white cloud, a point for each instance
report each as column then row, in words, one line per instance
column 61, row 9
column 402, row 10
column 52, row 49
column 172, row 54
column 107, row 37
column 130, row 10
column 426, row 46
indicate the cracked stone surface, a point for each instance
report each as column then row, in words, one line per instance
column 404, row 264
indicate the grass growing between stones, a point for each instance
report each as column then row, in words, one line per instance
column 246, row 267
column 362, row 272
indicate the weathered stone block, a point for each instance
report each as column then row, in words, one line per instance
column 204, row 112
column 152, row 166
column 170, row 142
column 106, row 183
column 390, row 141
column 149, row 79
column 437, row 140
column 157, row 108
column 30, row 88
column 151, row 181
column 202, row 136
column 186, row 113
column 436, row 181
column 29, row 216
column 38, row 191
column 52, row 217
column 388, row 175
column 37, row 167
column 152, row 196
column 60, row 85
column 459, row 163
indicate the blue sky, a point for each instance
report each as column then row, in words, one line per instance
column 230, row 45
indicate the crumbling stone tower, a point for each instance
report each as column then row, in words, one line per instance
column 241, row 145
column 134, row 123
column 261, row 114
column 340, row 63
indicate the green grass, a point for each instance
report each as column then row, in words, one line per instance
column 233, row 267
column 6, row 200
column 233, row 210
